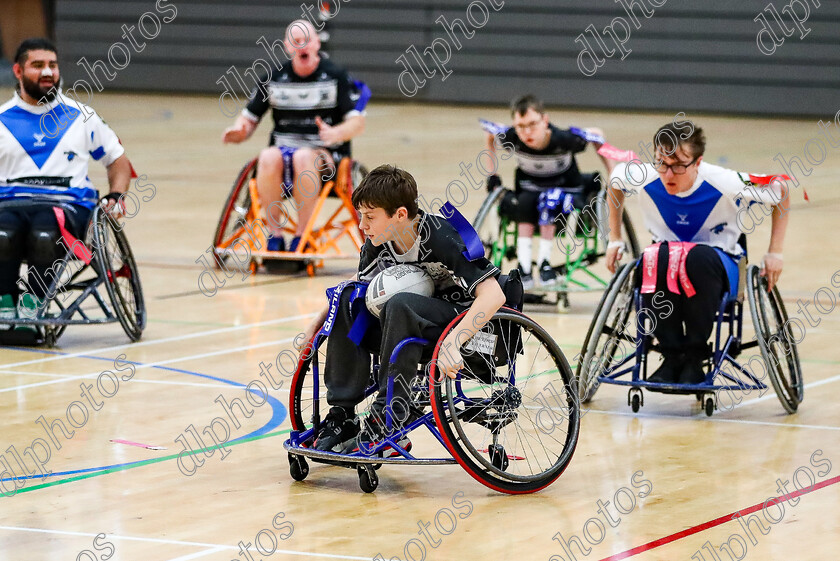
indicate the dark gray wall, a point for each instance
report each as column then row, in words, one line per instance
column 692, row 56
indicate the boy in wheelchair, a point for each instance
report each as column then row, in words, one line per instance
column 693, row 210
column 548, row 184
column 397, row 232
column 46, row 142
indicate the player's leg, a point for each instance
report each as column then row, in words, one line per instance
column 270, row 187
column 552, row 203
column 527, row 216
column 708, row 276
column 311, row 165
column 11, row 255
column 667, row 310
column 346, row 375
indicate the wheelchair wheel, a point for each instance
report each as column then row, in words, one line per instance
column 511, row 417
column 778, row 348
column 628, row 233
column 119, row 271
column 235, row 211
column 610, row 330
column 489, row 226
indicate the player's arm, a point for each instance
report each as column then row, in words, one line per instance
column 349, row 128
column 493, row 180
column 241, row 130
column 488, row 299
column 615, row 209
column 119, row 175
column 608, row 163
column 773, row 263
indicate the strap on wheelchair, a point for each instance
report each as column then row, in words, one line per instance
column 475, row 249
column 362, row 318
column 76, row 246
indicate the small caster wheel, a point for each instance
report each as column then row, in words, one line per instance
column 709, row 406
column 298, row 467
column 252, row 266
column 563, row 305
column 49, row 337
column 498, row 457
column 699, row 396
column 368, row 480
column 310, row 271
column 635, row 403
column 376, row 466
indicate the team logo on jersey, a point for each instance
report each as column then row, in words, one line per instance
column 70, row 155
column 683, row 219
column 719, row 228
column 39, row 139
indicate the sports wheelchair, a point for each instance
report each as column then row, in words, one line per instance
column 242, row 228
column 510, row 418
column 104, row 260
column 620, row 338
column 581, row 237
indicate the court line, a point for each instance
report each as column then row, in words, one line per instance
column 152, row 342
column 148, row 365
column 167, row 382
column 217, row 547
column 716, row 522
column 693, row 418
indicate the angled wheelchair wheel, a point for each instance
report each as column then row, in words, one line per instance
column 235, row 212
column 611, row 333
column 773, row 332
column 511, row 417
column 491, row 229
column 118, row 269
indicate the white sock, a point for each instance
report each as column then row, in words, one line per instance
column 523, row 253
column 545, row 251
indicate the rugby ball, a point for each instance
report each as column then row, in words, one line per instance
column 399, row 278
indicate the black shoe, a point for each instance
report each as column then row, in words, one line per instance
column 669, row 371
column 692, row 372
column 527, row 280
column 338, row 431
column 548, row 275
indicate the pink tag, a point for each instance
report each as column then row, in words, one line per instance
column 607, row 150
column 688, row 288
column 649, row 260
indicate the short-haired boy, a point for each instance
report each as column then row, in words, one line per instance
column 396, row 232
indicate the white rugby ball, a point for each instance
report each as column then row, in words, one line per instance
column 399, row 278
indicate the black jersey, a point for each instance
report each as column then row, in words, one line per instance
column 439, row 251
column 327, row 93
column 553, row 166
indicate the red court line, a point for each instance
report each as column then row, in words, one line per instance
column 716, row 522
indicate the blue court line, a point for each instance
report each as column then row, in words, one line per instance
column 277, row 417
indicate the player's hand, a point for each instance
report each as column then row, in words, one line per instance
column 595, row 130
column 235, row 134
column 328, row 134
column 613, row 257
column 493, row 181
column 449, row 360
column 771, row 268
column 113, row 204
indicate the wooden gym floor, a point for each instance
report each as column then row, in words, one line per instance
column 697, row 471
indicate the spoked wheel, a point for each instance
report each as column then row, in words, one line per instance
column 491, row 229
column 115, row 263
column 611, row 334
column 775, row 340
column 511, row 416
column 235, row 212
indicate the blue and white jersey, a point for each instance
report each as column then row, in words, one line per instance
column 709, row 213
column 45, row 149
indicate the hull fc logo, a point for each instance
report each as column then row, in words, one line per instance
column 719, row 228
column 682, row 219
column 39, row 139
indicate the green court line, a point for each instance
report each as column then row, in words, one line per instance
column 26, row 489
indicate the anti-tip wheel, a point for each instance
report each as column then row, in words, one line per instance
column 498, row 456
column 298, row 467
column 368, row 480
column 709, row 406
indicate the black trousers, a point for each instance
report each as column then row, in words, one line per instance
column 683, row 324
column 31, row 234
column 348, row 367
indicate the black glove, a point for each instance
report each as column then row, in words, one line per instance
column 113, row 197
column 493, row 181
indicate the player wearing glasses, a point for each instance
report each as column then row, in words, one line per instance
column 694, row 211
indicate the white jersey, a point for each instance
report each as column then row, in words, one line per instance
column 709, row 213
column 45, row 149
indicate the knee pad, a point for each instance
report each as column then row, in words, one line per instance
column 552, row 203
column 43, row 246
column 8, row 244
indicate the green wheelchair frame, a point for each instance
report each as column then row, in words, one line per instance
column 581, row 235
